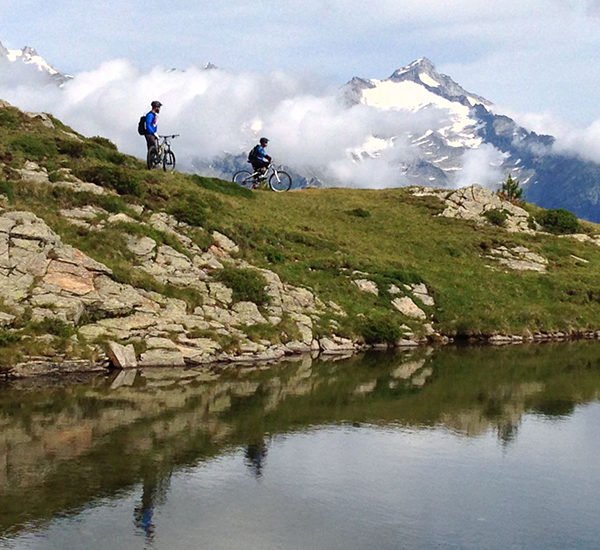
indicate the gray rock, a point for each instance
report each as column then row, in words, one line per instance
column 122, row 357
column 407, row 307
column 247, row 313
column 366, row 286
column 225, row 243
column 6, row 319
column 162, row 358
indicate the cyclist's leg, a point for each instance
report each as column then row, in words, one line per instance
column 151, row 141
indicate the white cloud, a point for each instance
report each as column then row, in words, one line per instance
column 218, row 111
column 481, row 166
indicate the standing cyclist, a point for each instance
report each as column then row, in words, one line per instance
column 258, row 157
column 152, row 125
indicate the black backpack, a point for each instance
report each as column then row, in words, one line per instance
column 142, row 126
column 253, row 154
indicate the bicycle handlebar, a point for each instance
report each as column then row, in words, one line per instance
column 169, row 136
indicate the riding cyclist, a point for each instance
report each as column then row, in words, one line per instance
column 259, row 159
column 152, row 125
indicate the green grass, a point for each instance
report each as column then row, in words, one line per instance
column 316, row 239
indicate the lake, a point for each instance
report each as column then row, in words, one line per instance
column 462, row 447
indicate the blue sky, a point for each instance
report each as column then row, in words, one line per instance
column 530, row 56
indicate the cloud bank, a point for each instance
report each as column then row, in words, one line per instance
column 218, row 111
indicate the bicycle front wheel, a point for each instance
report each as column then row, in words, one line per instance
column 152, row 158
column 169, row 161
column 280, row 181
column 243, row 178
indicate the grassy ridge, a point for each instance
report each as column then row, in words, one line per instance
column 315, row 238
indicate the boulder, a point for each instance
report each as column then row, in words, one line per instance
column 407, row 307
column 122, row 357
column 367, row 286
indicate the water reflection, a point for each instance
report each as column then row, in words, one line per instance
column 63, row 447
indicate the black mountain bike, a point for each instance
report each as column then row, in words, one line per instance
column 161, row 155
column 278, row 179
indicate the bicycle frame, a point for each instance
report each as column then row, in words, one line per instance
column 161, row 153
column 273, row 177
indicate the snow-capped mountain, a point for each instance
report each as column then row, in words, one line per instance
column 470, row 126
column 457, row 128
column 28, row 58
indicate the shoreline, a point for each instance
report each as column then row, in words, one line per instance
column 63, row 368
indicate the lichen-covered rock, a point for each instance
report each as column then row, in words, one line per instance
column 367, row 286
column 519, row 258
column 408, row 308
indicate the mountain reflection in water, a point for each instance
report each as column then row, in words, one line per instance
column 66, row 447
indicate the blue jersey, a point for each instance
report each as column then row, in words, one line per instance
column 261, row 154
column 151, row 123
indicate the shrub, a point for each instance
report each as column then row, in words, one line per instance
column 274, row 255
column 104, row 142
column 70, row 147
column 53, row 326
column 511, row 189
column 34, row 147
column 121, row 180
column 7, row 338
column 360, row 213
column 6, row 188
column 378, row 329
column 248, row 285
column 559, row 221
column 496, row 216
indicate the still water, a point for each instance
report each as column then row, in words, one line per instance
column 457, row 448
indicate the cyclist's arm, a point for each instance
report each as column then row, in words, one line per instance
column 151, row 126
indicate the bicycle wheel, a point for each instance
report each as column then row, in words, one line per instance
column 243, row 178
column 152, row 158
column 169, row 161
column 280, row 181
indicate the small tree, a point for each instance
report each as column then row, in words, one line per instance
column 511, row 189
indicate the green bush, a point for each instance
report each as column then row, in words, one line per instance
column 34, row 147
column 274, row 255
column 380, row 329
column 7, row 338
column 6, row 188
column 70, row 147
column 511, row 189
column 559, row 221
column 104, row 142
column 248, row 285
column 496, row 216
column 53, row 326
column 360, row 213
column 123, row 181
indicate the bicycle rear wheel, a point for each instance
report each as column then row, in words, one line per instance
column 280, row 181
column 243, row 178
column 169, row 161
column 152, row 158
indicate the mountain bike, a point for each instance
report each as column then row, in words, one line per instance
column 278, row 179
column 162, row 154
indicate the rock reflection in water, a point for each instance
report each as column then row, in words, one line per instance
column 64, row 446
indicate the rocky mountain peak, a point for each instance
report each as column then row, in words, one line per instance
column 423, row 72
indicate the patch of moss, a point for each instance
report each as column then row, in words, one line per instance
column 248, row 285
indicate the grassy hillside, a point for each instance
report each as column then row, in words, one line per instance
column 314, row 238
